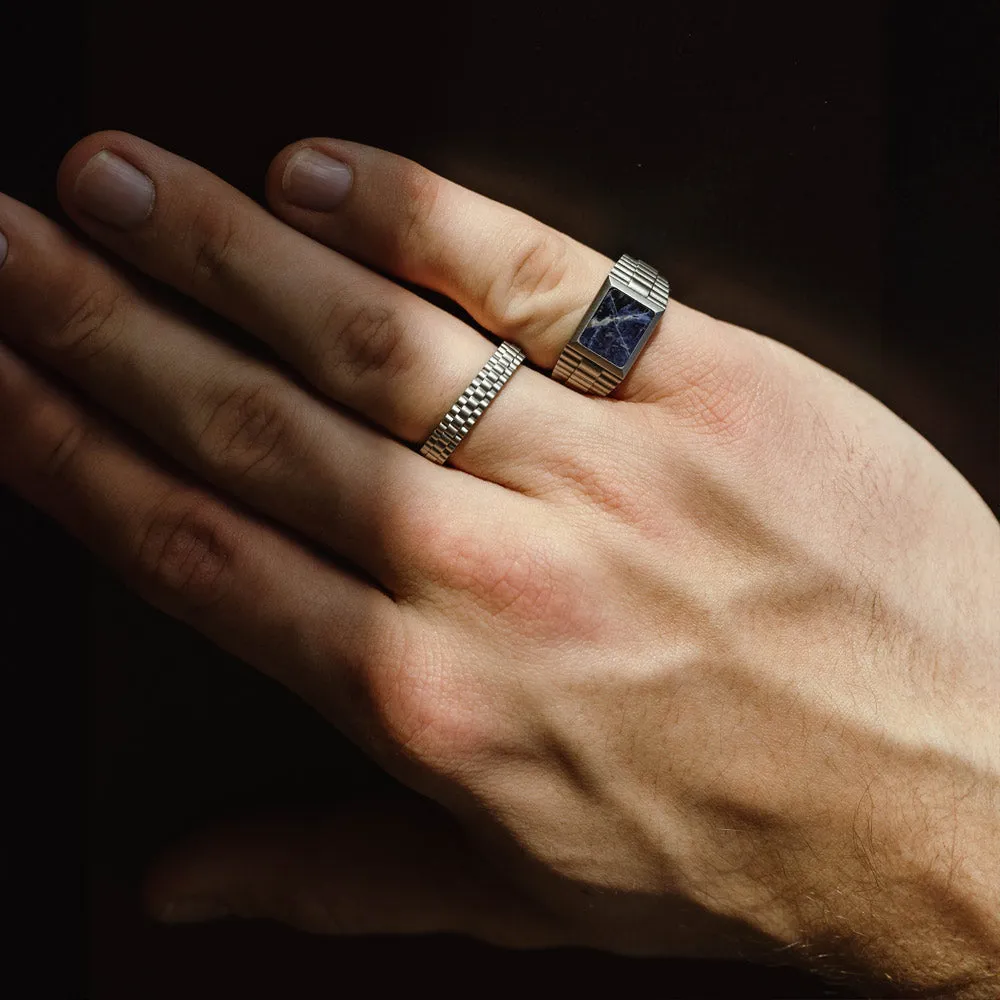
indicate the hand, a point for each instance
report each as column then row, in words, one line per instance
column 708, row 668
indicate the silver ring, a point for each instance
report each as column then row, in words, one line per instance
column 471, row 405
column 614, row 329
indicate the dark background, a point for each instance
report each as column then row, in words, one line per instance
column 822, row 173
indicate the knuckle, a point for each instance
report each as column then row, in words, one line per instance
column 596, row 480
column 211, row 238
column 58, row 461
column 420, row 190
column 92, row 324
column 247, row 433
column 369, row 341
column 409, row 716
column 418, row 703
column 534, row 591
column 712, row 404
column 427, row 716
column 723, row 396
column 184, row 553
column 538, row 267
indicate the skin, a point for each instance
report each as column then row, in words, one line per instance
column 706, row 668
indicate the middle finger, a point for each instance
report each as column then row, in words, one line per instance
column 363, row 340
column 230, row 418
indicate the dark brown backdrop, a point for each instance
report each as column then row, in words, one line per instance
column 821, row 173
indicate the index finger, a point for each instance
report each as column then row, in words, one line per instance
column 243, row 583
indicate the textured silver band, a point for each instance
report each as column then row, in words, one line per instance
column 469, row 407
column 581, row 372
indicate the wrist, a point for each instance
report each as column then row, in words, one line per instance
column 913, row 909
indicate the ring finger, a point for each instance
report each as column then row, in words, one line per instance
column 516, row 276
column 363, row 340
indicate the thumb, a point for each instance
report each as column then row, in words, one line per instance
column 399, row 867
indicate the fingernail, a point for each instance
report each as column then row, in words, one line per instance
column 3, row 249
column 114, row 191
column 191, row 911
column 315, row 181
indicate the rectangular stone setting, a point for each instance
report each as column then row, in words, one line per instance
column 617, row 326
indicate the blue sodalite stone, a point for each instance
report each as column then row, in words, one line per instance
column 616, row 327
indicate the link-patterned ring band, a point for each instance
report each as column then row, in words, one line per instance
column 469, row 407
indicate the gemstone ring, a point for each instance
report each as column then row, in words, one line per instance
column 615, row 328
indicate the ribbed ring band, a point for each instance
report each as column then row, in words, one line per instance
column 470, row 406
